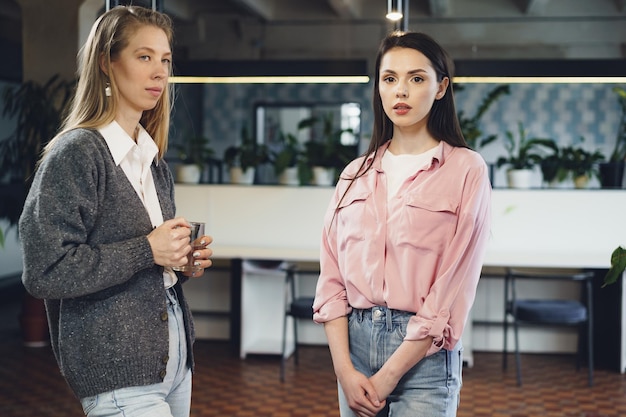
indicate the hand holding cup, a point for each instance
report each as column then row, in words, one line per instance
column 198, row 257
column 170, row 242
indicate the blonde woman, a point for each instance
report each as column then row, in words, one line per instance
column 99, row 231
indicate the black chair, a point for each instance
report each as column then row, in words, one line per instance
column 296, row 307
column 550, row 312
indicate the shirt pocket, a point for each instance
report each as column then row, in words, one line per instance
column 352, row 217
column 428, row 221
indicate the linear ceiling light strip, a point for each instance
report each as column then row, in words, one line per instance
column 326, row 79
column 539, row 80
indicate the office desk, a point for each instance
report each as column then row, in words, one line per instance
column 530, row 228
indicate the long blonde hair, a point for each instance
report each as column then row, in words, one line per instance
column 91, row 108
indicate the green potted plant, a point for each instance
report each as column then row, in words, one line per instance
column 326, row 156
column 524, row 154
column 37, row 110
column 243, row 159
column 288, row 160
column 612, row 171
column 571, row 161
column 582, row 164
column 193, row 153
column 470, row 126
column 553, row 168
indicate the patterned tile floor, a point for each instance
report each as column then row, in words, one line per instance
column 224, row 385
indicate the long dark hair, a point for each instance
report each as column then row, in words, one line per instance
column 443, row 123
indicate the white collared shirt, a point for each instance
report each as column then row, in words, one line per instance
column 135, row 159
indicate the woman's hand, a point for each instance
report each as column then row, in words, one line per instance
column 170, row 242
column 360, row 393
column 201, row 257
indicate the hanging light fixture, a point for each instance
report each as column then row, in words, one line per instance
column 394, row 10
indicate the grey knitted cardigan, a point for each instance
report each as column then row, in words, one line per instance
column 85, row 250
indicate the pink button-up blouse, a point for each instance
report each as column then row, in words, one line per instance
column 421, row 251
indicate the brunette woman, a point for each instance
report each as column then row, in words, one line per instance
column 403, row 244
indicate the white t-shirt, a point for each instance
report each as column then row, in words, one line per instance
column 398, row 168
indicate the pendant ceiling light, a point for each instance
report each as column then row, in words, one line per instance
column 398, row 12
column 394, row 10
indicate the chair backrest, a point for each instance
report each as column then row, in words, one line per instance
column 296, row 305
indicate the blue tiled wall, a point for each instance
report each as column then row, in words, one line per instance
column 564, row 112
column 229, row 107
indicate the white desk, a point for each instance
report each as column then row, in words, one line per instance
column 531, row 228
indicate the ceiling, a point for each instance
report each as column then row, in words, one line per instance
column 319, row 29
column 352, row 29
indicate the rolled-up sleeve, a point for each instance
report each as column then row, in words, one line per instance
column 330, row 297
column 447, row 305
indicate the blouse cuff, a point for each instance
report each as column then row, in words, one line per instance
column 438, row 329
column 331, row 311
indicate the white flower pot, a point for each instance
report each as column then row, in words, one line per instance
column 188, row 174
column 289, row 177
column 239, row 176
column 323, row 176
column 519, row 178
column 581, row 181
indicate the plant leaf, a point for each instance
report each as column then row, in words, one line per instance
column 618, row 265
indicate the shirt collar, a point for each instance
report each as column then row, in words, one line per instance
column 120, row 144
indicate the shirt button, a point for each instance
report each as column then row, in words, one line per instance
column 164, row 316
column 165, row 359
column 162, row 374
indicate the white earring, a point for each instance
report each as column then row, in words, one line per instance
column 107, row 90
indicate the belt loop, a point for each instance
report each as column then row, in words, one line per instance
column 359, row 313
column 388, row 317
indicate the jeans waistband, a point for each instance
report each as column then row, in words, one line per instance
column 381, row 314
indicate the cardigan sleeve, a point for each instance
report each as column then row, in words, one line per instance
column 77, row 237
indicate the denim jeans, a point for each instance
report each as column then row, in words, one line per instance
column 429, row 389
column 170, row 398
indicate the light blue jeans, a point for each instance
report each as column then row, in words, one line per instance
column 171, row 398
column 430, row 389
